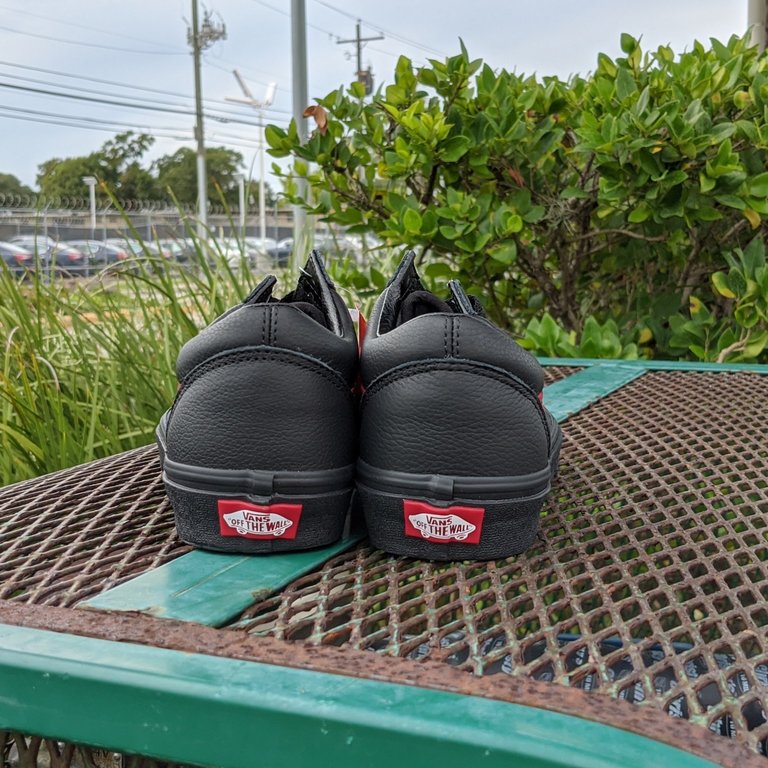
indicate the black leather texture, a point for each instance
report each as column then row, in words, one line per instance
column 460, row 337
column 453, row 417
column 263, row 408
column 268, row 385
column 275, row 325
column 446, row 391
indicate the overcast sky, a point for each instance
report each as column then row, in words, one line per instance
column 143, row 43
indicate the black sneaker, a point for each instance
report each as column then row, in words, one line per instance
column 457, row 452
column 259, row 447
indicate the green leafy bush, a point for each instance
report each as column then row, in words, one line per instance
column 612, row 196
column 740, row 333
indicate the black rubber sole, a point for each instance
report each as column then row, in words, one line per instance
column 257, row 525
column 255, row 511
column 454, row 518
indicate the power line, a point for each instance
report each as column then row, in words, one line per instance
column 111, row 102
column 394, row 35
column 126, row 104
column 80, row 125
column 121, row 124
column 81, row 89
column 241, row 142
column 84, row 26
column 89, row 45
column 287, row 13
column 101, row 81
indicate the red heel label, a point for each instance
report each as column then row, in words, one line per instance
column 443, row 525
column 253, row 521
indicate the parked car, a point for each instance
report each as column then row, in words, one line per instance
column 158, row 249
column 281, row 252
column 177, row 248
column 18, row 260
column 338, row 246
column 51, row 253
column 234, row 251
column 100, row 254
column 131, row 247
column 260, row 245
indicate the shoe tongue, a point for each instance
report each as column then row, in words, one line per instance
column 420, row 303
column 262, row 292
column 310, row 309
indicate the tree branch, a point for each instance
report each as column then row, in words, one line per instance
column 624, row 233
column 737, row 346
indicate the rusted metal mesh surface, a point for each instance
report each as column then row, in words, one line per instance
column 25, row 751
column 67, row 536
column 649, row 582
column 554, row 373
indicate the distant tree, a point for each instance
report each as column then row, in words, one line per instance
column 59, row 177
column 252, row 194
column 177, row 174
column 10, row 185
column 137, row 183
column 116, row 164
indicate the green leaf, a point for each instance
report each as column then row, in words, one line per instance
column 720, row 282
column 513, row 224
column 412, row 221
column 732, row 201
column 506, row 253
column 628, row 43
column 758, row 186
column 640, row 213
column 454, row 148
column 625, row 84
column 756, row 344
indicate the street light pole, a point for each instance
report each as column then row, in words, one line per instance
column 758, row 20
column 259, row 106
column 262, row 196
column 241, row 192
column 91, row 182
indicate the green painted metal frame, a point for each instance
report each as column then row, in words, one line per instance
column 658, row 365
column 574, row 393
column 213, row 588
column 214, row 711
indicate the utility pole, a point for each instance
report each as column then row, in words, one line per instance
column 200, row 40
column 758, row 21
column 363, row 76
column 301, row 235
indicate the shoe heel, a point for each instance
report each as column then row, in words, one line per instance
column 249, row 524
column 253, row 511
column 455, row 529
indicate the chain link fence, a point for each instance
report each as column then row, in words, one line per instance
column 70, row 218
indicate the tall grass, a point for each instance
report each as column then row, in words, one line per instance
column 88, row 365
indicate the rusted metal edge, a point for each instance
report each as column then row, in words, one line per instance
column 182, row 636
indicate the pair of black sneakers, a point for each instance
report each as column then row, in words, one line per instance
column 436, row 426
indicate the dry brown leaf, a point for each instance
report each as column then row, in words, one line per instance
column 320, row 116
column 516, row 177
